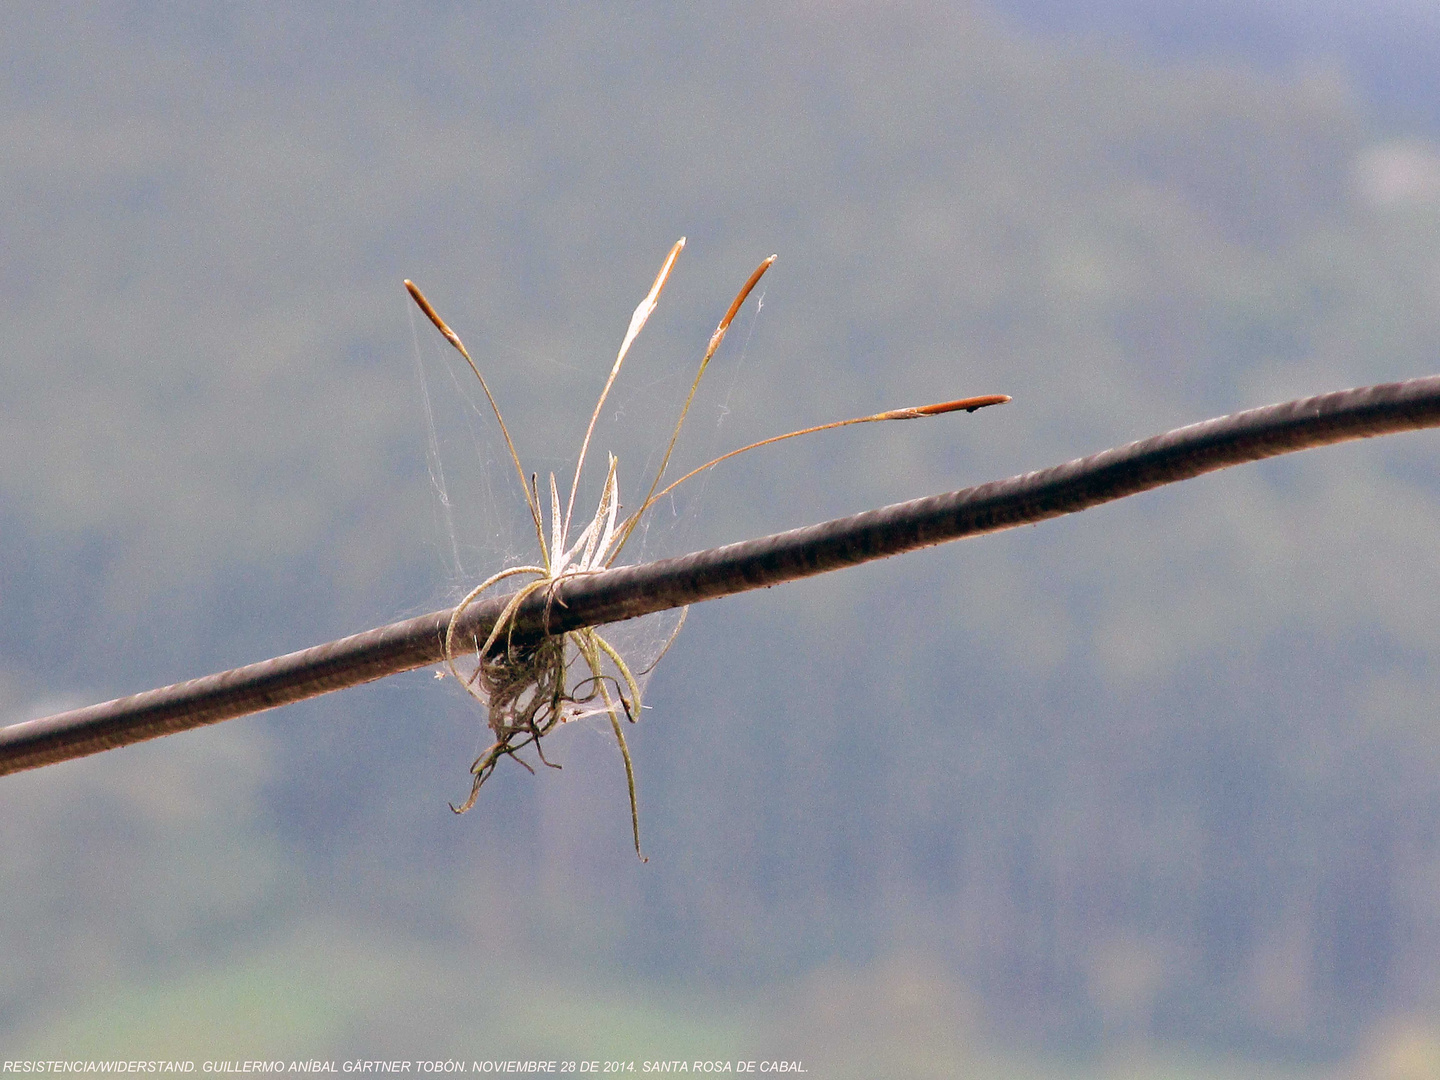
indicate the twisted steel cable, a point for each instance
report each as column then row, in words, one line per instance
column 631, row 591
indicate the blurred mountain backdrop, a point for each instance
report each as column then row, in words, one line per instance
column 1158, row 782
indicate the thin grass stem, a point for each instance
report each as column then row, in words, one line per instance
column 637, row 323
column 454, row 339
column 913, row 412
column 715, row 339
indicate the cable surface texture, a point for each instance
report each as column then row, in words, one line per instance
column 632, row 591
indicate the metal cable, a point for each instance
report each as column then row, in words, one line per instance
column 631, row 591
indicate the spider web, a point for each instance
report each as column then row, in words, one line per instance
column 479, row 520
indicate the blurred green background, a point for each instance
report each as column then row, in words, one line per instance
column 1149, row 791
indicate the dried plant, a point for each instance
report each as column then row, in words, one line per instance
column 531, row 687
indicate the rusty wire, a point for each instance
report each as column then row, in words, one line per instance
column 632, row 591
